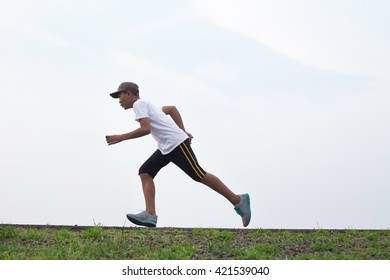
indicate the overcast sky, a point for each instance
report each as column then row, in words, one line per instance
column 287, row 100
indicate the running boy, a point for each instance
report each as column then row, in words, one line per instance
column 173, row 146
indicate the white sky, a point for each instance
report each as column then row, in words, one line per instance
column 287, row 100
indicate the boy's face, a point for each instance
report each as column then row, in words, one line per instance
column 126, row 100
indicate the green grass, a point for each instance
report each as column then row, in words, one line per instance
column 92, row 243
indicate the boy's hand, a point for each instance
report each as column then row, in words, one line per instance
column 189, row 136
column 113, row 139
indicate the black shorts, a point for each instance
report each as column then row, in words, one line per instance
column 182, row 156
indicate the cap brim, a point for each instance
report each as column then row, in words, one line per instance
column 115, row 94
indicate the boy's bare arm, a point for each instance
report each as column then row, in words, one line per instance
column 175, row 115
column 143, row 130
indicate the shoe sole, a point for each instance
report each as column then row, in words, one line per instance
column 249, row 209
column 140, row 222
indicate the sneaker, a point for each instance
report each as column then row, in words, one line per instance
column 244, row 209
column 143, row 219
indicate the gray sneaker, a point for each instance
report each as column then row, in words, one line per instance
column 244, row 209
column 143, row 219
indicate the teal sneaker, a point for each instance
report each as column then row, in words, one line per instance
column 244, row 209
column 143, row 219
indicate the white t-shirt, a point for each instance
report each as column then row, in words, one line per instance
column 163, row 129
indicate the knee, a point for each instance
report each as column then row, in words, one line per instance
column 145, row 172
column 145, row 176
column 198, row 178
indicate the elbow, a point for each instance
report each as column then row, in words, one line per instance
column 146, row 130
column 169, row 109
column 174, row 109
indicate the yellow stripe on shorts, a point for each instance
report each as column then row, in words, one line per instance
column 197, row 173
column 200, row 170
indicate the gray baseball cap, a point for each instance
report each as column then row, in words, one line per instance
column 126, row 86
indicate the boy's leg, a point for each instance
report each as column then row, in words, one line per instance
column 149, row 193
column 241, row 203
column 184, row 157
column 147, row 172
column 217, row 185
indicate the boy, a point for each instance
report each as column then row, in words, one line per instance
column 173, row 146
